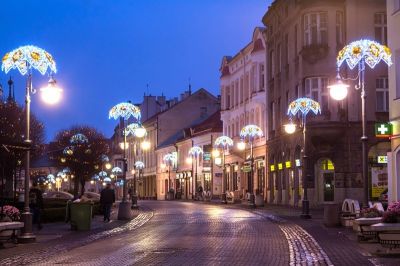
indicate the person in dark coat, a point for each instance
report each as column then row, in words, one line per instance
column 107, row 198
column 36, row 204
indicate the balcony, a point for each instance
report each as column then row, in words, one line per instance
column 314, row 52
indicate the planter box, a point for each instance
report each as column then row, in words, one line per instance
column 347, row 221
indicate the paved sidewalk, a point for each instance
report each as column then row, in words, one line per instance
column 339, row 243
column 60, row 235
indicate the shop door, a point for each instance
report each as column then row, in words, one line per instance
column 329, row 186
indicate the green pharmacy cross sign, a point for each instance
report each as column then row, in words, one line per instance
column 383, row 130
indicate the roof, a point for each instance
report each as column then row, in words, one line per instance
column 212, row 124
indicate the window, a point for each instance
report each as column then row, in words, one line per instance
column 279, row 58
column 380, row 21
column 262, row 77
column 316, row 89
column 272, row 112
column 271, row 64
column 396, row 6
column 382, row 95
column 228, row 98
column 315, row 28
column 295, row 40
column 339, row 29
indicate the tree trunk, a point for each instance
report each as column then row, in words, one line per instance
column 76, row 185
column 82, row 179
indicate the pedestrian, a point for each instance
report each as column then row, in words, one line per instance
column 36, row 204
column 107, row 198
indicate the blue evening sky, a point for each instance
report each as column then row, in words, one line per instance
column 108, row 50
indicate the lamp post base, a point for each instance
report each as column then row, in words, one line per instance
column 134, row 205
column 223, row 198
column 305, row 209
column 27, row 235
column 252, row 201
column 124, row 211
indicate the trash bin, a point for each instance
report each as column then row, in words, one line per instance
column 331, row 214
column 80, row 215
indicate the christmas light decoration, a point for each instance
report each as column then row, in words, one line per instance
column 195, row 151
column 125, row 110
column 251, row 132
column 116, row 170
column 223, row 142
column 139, row 165
column 78, row 139
column 26, row 57
column 303, row 105
column 371, row 51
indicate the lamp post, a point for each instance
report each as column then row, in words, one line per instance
column 223, row 143
column 139, row 166
column 303, row 106
column 124, row 111
column 195, row 152
column 358, row 54
column 248, row 134
column 25, row 59
column 169, row 160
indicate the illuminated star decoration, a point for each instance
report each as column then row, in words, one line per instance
column 195, row 151
column 78, row 139
column 28, row 57
column 372, row 52
column 304, row 106
column 223, row 142
column 116, row 170
column 139, row 165
column 125, row 110
column 251, row 132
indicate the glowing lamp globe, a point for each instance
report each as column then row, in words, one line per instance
column 108, row 165
column 140, row 132
column 92, row 182
column 338, row 91
column 51, row 94
column 145, row 145
column 189, row 160
column 215, row 153
column 290, row 128
column 241, row 145
column 124, row 145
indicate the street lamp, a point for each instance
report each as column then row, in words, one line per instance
column 25, row 59
column 195, row 152
column 223, row 143
column 169, row 160
column 124, row 111
column 303, row 106
column 249, row 133
column 358, row 54
column 139, row 166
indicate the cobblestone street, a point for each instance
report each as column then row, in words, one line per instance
column 187, row 233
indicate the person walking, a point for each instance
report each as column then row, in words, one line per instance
column 36, row 204
column 107, row 198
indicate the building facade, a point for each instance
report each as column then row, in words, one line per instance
column 243, row 93
column 164, row 129
column 302, row 42
column 393, row 20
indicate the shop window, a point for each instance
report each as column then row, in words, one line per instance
column 327, row 164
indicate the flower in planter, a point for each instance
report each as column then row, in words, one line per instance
column 371, row 213
column 11, row 213
column 395, row 207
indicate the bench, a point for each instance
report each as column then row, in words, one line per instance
column 388, row 234
column 8, row 231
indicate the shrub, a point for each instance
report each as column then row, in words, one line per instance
column 371, row 213
column 394, row 207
